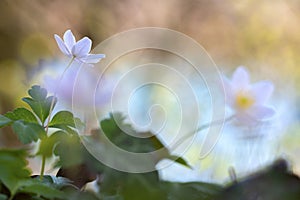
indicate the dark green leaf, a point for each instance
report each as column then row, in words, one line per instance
column 3, row 197
column 114, row 197
column 4, row 121
column 139, row 186
column 179, row 160
column 57, row 182
column 74, row 194
column 39, row 102
column 28, row 132
column 192, row 190
column 38, row 93
column 39, row 188
column 275, row 182
column 116, row 130
column 13, row 168
column 21, row 114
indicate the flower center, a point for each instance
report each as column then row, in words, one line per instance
column 244, row 101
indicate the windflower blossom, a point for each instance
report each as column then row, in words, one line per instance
column 79, row 50
column 248, row 100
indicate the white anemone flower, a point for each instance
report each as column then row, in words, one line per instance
column 248, row 100
column 79, row 50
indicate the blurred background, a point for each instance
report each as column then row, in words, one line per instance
column 263, row 35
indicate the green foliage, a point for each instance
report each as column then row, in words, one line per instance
column 39, row 102
column 13, row 169
column 117, row 131
column 47, row 145
column 28, row 132
column 4, row 121
column 44, row 189
column 65, row 121
column 70, row 150
column 275, row 182
column 62, row 118
column 56, row 182
column 192, row 190
column 78, row 166
column 21, row 114
column 81, row 165
column 3, row 197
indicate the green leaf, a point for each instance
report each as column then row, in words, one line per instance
column 13, row 168
column 56, row 182
column 47, row 144
column 67, row 129
column 139, row 186
column 28, row 132
column 69, row 150
column 179, row 160
column 39, row 102
column 4, row 121
column 3, row 197
column 62, row 118
column 38, row 93
column 273, row 182
column 21, row 114
column 116, row 130
column 113, row 197
column 39, row 188
column 192, row 190
column 74, row 194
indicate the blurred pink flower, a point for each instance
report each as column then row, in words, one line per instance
column 77, row 50
column 248, row 100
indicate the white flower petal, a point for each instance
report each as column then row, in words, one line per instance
column 261, row 112
column 62, row 45
column 69, row 39
column 228, row 91
column 262, row 91
column 89, row 65
column 240, row 78
column 93, row 58
column 245, row 119
column 82, row 47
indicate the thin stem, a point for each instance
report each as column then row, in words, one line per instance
column 201, row 128
column 55, row 91
column 50, row 114
column 232, row 174
column 43, row 167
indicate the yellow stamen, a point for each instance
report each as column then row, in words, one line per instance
column 244, row 101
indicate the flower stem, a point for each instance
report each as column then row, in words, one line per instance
column 50, row 114
column 201, row 128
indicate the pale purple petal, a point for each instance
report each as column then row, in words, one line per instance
column 228, row 91
column 82, row 47
column 240, row 78
column 93, row 58
column 62, row 45
column 262, row 91
column 78, row 61
column 261, row 112
column 69, row 39
column 245, row 119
